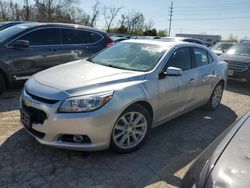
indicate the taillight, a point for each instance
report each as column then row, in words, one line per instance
column 110, row 44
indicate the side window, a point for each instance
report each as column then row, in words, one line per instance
column 180, row 59
column 76, row 36
column 49, row 36
column 94, row 37
column 200, row 57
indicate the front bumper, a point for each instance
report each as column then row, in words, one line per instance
column 97, row 125
column 239, row 72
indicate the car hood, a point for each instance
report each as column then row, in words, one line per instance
column 79, row 78
column 233, row 167
column 238, row 58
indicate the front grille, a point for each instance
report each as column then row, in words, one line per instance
column 37, row 116
column 237, row 66
column 48, row 101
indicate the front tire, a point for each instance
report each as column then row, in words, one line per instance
column 131, row 129
column 2, row 84
column 215, row 98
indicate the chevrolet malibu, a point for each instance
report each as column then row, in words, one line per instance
column 114, row 98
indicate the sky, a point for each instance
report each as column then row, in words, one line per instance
column 218, row 17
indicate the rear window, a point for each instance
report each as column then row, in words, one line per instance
column 76, row 36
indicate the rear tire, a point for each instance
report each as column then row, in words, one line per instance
column 131, row 129
column 215, row 98
column 2, row 84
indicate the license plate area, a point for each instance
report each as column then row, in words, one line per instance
column 25, row 118
column 230, row 72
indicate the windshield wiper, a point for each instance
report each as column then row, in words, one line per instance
column 90, row 60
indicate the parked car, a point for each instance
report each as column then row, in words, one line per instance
column 221, row 47
column 225, row 163
column 118, row 39
column 178, row 39
column 31, row 47
column 4, row 25
column 115, row 97
column 238, row 59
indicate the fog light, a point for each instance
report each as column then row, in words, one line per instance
column 78, row 138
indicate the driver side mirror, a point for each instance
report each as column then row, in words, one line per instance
column 19, row 44
column 171, row 71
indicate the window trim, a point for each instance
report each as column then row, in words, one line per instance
column 8, row 45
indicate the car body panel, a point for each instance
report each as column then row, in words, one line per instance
column 233, row 167
column 204, row 165
column 239, row 66
column 168, row 97
column 24, row 62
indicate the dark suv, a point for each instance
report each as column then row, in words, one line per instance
column 238, row 59
column 31, row 47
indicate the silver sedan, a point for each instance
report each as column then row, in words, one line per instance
column 117, row 96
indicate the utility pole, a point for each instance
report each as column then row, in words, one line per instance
column 170, row 17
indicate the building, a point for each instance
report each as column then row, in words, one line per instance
column 209, row 40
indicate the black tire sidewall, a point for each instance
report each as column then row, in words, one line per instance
column 134, row 108
column 209, row 105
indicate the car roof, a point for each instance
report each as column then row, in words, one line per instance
column 38, row 24
column 162, row 42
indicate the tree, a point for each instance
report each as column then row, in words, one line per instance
column 109, row 15
column 162, row 33
column 52, row 10
column 4, row 10
column 95, row 13
column 135, row 22
column 151, row 32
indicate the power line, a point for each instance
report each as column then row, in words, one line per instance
column 220, row 18
column 170, row 17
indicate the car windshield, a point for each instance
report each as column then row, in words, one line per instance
column 131, row 56
column 222, row 46
column 11, row 31
column 242, row 49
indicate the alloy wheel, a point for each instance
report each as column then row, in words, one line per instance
column 130, row 130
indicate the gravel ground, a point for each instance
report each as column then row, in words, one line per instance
column 161, row 162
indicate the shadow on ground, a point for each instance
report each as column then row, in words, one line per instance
column 238, row 87
column 170, row 147
column 9, row 100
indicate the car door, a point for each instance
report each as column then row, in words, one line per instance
column 43, row 52
column 176, row 93
column 78, row 44
column 203, row 64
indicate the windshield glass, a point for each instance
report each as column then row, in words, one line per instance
column 11, row 31
column 242, row 49
column 131, row 56
column 222, row 46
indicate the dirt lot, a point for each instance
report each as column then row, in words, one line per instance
column 163, row 160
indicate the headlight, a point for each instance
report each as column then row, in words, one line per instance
column 85, row 103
